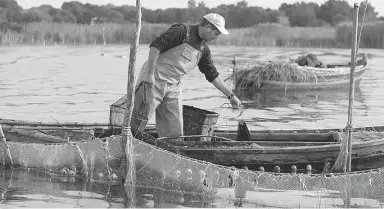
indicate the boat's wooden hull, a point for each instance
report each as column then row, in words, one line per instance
column 365, row 155
column 266, row 149
column 100, row 130
column 302, row 135
column 325, row 82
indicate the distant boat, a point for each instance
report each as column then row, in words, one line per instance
column 303, row 73
column 334, row 76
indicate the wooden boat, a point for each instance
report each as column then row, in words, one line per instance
column 282, row 148
column 104, row 130
column 336, row 77
column 305, row 135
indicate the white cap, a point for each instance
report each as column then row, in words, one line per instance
column 218, row 21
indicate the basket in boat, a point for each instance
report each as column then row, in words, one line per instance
column 198, row 122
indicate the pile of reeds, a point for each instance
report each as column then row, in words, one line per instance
column 253, row 74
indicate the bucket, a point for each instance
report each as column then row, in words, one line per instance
column 139, row 117
column 141, row 108
column 198, row 122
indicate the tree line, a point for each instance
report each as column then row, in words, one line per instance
column 292, row 25
column 238, row 15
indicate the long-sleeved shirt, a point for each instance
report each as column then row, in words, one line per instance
column 175, row 36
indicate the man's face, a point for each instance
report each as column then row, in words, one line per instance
column 211, row 33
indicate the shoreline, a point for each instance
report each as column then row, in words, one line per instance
column 3, row 46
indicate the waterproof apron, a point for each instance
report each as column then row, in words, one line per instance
column 166, row 99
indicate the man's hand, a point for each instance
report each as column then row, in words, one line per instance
column 235, row 102
column 149, row 78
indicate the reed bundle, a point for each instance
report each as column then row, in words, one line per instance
column 254, row 74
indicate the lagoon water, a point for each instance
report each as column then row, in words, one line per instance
column 78, row 84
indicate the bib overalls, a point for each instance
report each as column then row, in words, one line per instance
column 166, row 99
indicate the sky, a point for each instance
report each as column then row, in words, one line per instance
column 163, row 4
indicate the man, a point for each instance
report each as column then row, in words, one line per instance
column 172, row 55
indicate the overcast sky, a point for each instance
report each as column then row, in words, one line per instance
column 163, row 4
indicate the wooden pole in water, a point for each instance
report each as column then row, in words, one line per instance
column 352, row 84
column 129, row 169
column 4, row 141
column 235, row 70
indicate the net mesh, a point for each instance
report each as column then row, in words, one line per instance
column 161, row 170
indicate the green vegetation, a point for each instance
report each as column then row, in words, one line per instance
column 280, row 36
column 71, row 33
column 292, row 25
column 372, row 35
column 267, row 35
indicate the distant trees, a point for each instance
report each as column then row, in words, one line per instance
column 237, row 15
column 301, row 14
column 35, row 15
column 335, row 12
column 370, row 14
column 331, row 13
column 191, row 4
column 3, row 15
column 12, row 10
column 288, row 26
column 78, row 10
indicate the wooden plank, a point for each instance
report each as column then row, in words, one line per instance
column 31, row 136
column 65, row 124
column 255, row 136
column 372, row 144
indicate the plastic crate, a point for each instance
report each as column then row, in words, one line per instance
column 198, row 122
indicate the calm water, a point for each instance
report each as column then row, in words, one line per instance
column 20, row 188
column 80, row 83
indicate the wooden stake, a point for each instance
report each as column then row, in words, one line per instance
column 352, row 84
column 235, row 70
column 129, row 197
column 129, row 169
column 3, row 140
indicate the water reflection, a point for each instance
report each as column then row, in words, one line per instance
column 20, row 188
column 155, row 197
column 252, row 98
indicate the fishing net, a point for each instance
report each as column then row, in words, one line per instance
column 340, row 164
column 184, row 178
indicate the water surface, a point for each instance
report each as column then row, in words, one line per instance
column 66, row 83
column 78, row 84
